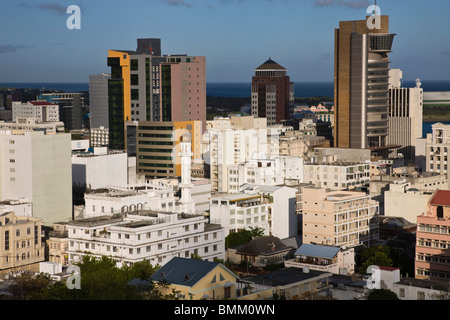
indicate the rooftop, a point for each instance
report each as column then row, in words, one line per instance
column 184, row 271
column 288, row 276
column 263, row 246
column 270, row 65
column 318, row 251
column 441, row 198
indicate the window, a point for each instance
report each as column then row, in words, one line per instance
column 420, row 295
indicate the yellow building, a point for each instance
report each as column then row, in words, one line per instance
column 195, row 279
column 20, row 239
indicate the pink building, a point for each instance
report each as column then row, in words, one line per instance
column 183, row 89
column 433, row 239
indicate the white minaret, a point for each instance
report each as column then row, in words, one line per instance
column 187, row 204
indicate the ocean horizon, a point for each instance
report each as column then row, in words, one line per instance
column 233, row 89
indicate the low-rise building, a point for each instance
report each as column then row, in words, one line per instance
column 194, row 279
column 261, row 252
column 332, row 259
column 21, row 242
column 153, row 236
column 433, row 239
column 41, row 110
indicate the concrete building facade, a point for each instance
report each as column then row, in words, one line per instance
column 339, row 218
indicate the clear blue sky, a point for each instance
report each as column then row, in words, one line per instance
column 236, row 36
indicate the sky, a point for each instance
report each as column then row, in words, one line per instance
column 235, row 36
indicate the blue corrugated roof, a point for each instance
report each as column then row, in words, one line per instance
column 318, row 251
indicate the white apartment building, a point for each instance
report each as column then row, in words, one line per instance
column 269, row 171
column 337, row 175
column 129, row 198
column 437, row 149
column 100, row 169
column 271, row 208
column 339, row 218
column 236, row 212
column 154, row 236
column 41, row 110
column 32, row 124
column 36, row 167
column 233, row 141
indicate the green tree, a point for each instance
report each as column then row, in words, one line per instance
column 378, row 255
column 382, row 294
column 256, row 232
column 238, row 238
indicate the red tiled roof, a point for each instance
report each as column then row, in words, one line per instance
column 441, row 198
column 387, row 268
column 41, row 103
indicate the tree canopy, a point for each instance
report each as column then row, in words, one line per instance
column 100, row 279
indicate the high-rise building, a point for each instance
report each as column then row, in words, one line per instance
column 98, row 100
column 272, row 93
column 146, row 86
column 183, row 89
column 36, row 166
column 405, row 116
column 361, row 80
column 40, row 110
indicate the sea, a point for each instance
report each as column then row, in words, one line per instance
column 243, row 89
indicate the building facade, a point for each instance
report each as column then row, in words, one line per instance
column 361, row 80
column 272, row 93
column 433, row 239
column 37, row 167
column 40, row 110
column 339, row 218
column 154, row 236
column 405, row 118
column 98, row 100
column 437, row 149
column 158, row 146
column 21, row 239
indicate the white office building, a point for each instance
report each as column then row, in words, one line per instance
column 41, row 110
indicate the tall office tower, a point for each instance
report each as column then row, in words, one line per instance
column 135, row 88
column 183, row 89
column 36, row 166
column 98, row 100
column 272, row 93
column 361, row 80
column 405, row 116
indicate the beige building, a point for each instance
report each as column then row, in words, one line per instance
column 339, row 218
column 58, row 243
column 437, row 149
column 402, row 200
column 20, row 239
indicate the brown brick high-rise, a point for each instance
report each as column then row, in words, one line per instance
column 272, row 93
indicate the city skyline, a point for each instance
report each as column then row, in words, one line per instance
column 235, row 36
